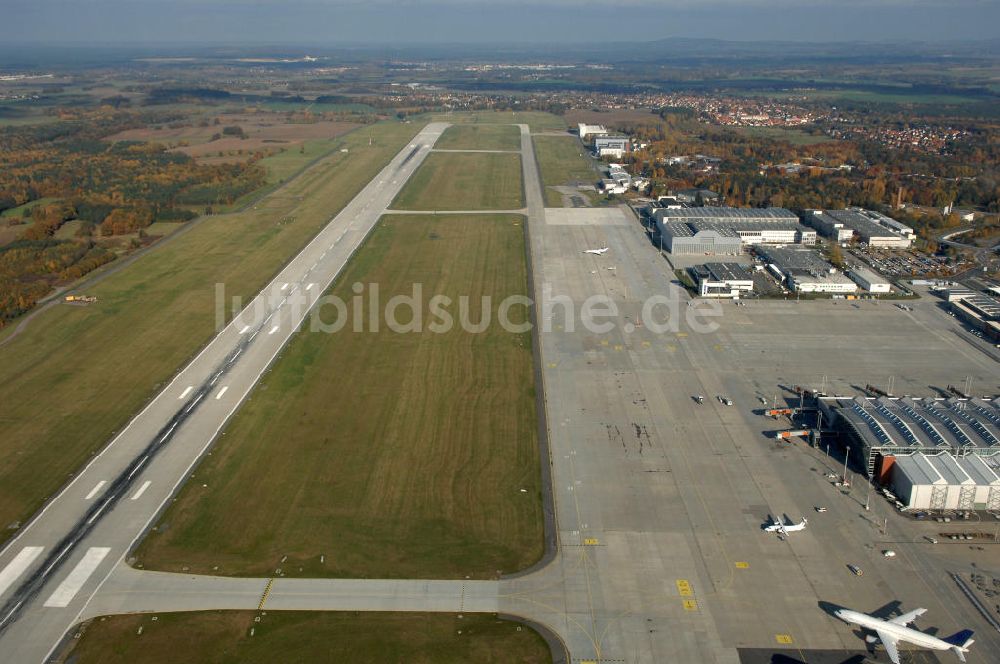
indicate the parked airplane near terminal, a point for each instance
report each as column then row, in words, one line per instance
column 779, row 526
column 891, row 632
column 598, row 252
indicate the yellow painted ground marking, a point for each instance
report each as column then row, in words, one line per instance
column 690, row 605
column 263, row 597
column 553, row 365
column 591, row 541
column 783, row 638
column 716, row 346
column 684, row 588
column 604, row 342
column 682, row 334
column 618, row 346
column 646, row 344
column 742, row 565
column 672, row 348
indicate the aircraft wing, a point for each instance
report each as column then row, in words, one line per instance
column 908, row 617
column 889, row 642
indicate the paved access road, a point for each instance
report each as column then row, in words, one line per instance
column 58, row 561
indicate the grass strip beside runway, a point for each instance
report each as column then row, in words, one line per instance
column 223, row 637
column 381, row 454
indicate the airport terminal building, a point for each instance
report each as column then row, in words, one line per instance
column 726, row 230
column 882, row 430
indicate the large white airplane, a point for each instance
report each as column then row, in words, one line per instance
column 779, row 526
column 599, row 252
column 891, row 632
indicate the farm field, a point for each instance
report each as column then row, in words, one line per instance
column 77, row 374
column 561, row 162
column 472, row 181
column 222, row 637
column 381, row 454
column 793, row 136
column 480, row 137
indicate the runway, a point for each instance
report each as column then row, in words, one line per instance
column 658, row 500
column 60, row 559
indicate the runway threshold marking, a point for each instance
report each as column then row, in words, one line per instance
column 97, row 487
column 186, row 392
column 263, row 597
column 138, row 494
column 17, row 566
column 71, row 585
column 783, row 638
column 273, row 330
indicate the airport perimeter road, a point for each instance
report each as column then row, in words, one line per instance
column 49, row 572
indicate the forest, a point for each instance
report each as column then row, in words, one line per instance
column 111, row 188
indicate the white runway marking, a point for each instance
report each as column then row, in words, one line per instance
column 244, row 330
column 309, row 287
column 17, row 566
column 273, row 330
column 93, row 492
column 221, row 392
column 186, row 392
column 284, row 286
column 142, row 490
column 68, row 589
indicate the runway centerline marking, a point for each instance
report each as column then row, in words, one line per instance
column 142, row 490
column 186, row 392
column 17, row 566
column 221, row 392
column 273, row 330
column 71, row 585
column 97, row 487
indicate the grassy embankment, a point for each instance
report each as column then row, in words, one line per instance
column 79, row 373
column 223, row 637
column 381, row 454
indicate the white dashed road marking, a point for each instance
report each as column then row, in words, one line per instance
column 142, row 490
column 222, row 391
column 17, row 566
column 186, row 392
column 273, row 330
column 68, row 589
column 93, row 492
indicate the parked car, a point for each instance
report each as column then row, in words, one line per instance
column 855, row 570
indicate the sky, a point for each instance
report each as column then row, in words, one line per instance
column 336, row 22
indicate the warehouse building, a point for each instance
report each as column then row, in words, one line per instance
column 881, row 428
column 803, row 271
column 872, row 228
column 946, row 482
column 591, row 130
column 868, row 280
column 730, row 280
column 725, row 230
column 611, row 146
column 979, row 311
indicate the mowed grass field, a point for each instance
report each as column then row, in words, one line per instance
column 223, row 637
column 480, row 137
column 464, row 181
column 78, row 374
column 562, row 162
column 536, row 120
column 381, row 454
